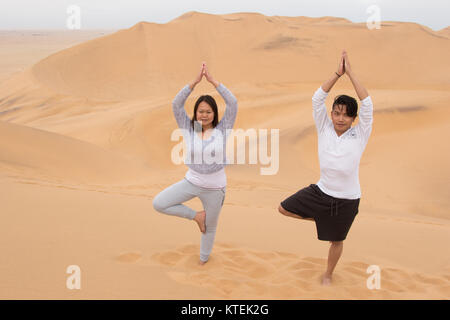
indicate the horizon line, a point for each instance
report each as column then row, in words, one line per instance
column 212, row 14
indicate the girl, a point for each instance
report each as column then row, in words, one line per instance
column 205, row 138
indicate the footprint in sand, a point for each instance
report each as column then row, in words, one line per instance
column 238, row 272
column 170, row 258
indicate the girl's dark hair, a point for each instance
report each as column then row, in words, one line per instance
column 212, row 103
column 349, row 102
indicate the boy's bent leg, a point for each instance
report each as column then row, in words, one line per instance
column 290, row 214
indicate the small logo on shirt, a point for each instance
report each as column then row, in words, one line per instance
column 351, row 134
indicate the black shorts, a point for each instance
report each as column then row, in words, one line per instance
column 333, row 216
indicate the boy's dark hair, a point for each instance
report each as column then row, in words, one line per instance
column 212, row 103
column 349, row 102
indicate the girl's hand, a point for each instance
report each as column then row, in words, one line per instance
column 197, row 79
column 199, row 76
column 208, row 76
column 206, row 73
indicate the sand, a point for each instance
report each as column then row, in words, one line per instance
column 86, row 119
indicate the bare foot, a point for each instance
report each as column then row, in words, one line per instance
column 200, row 218
column 200, row 262
column 326, row 280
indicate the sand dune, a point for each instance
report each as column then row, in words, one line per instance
column 86, row 146
column 23, row 48
column 149, row 59
column 445, row 32
column 36, row 152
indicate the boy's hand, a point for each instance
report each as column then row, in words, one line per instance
column 341, row 66
column 348, row 68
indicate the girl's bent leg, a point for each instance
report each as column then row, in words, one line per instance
column 169, row 201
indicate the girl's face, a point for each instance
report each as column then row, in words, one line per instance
column 205, row 114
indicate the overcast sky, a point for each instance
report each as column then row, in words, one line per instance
column 119, row 14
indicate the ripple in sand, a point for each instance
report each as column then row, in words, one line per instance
column 129, row 257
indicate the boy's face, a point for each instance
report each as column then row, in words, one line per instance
column 341, row 121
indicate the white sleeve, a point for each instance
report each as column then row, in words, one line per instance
column 364, row 126
column 320, row 110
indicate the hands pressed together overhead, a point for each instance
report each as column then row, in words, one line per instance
column 204, row 72
column 344, row 65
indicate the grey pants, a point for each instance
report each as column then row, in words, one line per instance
column 169, row 201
